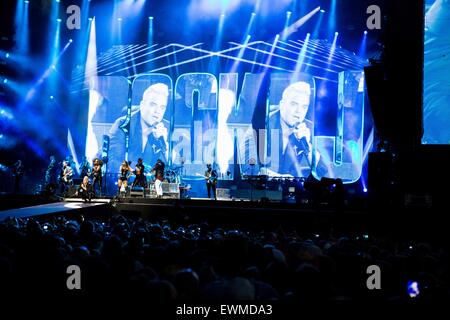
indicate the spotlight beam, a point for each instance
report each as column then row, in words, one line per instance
column 338, row 55
column 283, row 57
column 45, row 75
column 297, row 24
column 209, row 54
column 153, row 59
column 286, row 25
column 302, row 55
column 122, row 52
column 218, row 54
column 240, row 54
column 103, row 62
column 21, row 26
column 344, row 61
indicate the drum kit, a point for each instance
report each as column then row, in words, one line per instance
column 173, row 175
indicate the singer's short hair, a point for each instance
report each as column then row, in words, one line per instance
column 301, row 87
column 157, row 88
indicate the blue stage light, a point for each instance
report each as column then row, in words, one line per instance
column 286, row 25
column 7, row 55
column 21, row 25
column 52, row 97
column 336, row 33
column 332, row 16
column 90, row 19
column 301, row 57
column 365, row 190
column 287, row 31
column 70, row 40
column 119, row 19
column 322, row 11
column 59, row 20
column 150, row 31
column 363, row 45
column 5, row 80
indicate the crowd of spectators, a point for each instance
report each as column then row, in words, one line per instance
column 169, row 261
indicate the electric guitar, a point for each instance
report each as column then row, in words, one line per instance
column 66, row 176
column 210, row 179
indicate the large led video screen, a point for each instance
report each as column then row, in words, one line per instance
column 255, row 93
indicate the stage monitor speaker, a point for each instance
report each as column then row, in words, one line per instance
column 137, row 192
column 170, row 187
column 223, row 194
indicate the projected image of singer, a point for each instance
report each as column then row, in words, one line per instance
column 295, row 155
column 148, row 129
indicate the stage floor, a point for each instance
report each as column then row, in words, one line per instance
column 50, row 208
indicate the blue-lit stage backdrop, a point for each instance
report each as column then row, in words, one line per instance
column 288, row 104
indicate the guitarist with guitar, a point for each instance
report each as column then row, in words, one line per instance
column 211, row 180
column 97, row 174
column 66, row 177
column 18, row 170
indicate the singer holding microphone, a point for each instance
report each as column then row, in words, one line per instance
column 295, row 132
column 148, row 129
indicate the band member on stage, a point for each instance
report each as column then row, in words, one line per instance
column 97, row 174
column 18, row 170
column 85, row 168
column 66, row 176
column 159, row 177
column 71, row 163
column 125, row 173
column 85, row 189
column 50, row 174
column 211, row 180
column 140, row 180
